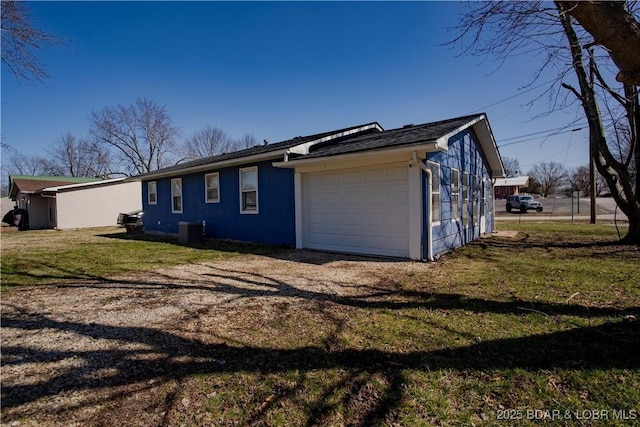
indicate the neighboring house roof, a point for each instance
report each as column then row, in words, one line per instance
column 298, row 145
column 29, row 184
column 82, row 185
column 518, row 181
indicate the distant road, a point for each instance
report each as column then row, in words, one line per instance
column 561, row 209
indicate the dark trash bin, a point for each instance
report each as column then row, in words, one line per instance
column 17, row 218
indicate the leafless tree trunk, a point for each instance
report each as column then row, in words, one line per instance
column 615, row 171
column 612, row 26
column 545, row 30
column 140, row 134
column 19, row 39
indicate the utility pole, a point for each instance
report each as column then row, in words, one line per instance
column 592, row 188
column 592, row 169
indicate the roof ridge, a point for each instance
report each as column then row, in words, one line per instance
column 254, row 151
column 437, row 122
column 53, row 178
column 397, row 137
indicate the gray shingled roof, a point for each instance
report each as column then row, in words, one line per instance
column 260, row 149
column 369, row 141
column 392, row 138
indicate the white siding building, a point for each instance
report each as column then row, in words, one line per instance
column 64, row 205
column 95, row 204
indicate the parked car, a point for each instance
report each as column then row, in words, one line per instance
column 132, row 221
column 523, row 203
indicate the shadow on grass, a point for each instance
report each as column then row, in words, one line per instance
column 526, row 241
column 247, row 248
column 224, row 282
column 140, row 355
column 176, row 358
column 612, row 345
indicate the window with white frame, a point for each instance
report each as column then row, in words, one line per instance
column 465, row 199
column 476, row 199
column 249, row 190
column 176, row 195
column 152, row 193
column 483, row 196
column 435, row 191
column 212, row 187
column 455, row 194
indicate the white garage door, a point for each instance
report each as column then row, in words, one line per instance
column 361, row 210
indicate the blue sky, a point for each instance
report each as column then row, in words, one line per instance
column 276, row 70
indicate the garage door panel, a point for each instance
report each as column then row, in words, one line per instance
column 396, row 174
column 358, row 210
column 374, row 198
column 374, row 176
column 352, row 178
column 397, row 199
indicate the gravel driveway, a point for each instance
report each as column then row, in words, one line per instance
column 92, row 353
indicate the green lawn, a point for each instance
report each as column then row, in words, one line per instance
column 48, row 256
column 540, row 329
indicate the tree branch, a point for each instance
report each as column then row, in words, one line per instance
column 614, row 28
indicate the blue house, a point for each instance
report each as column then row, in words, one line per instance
column 412, row 192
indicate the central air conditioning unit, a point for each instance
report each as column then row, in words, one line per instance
column 189, row 232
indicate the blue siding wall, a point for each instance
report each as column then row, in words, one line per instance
column 274, row 224
column 465, row 155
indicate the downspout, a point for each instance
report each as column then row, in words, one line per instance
column 493, row 208
column 429, row 216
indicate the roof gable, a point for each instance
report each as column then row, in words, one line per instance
column 392, row 138
column 434, row 135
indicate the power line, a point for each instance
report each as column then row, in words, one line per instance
column 540, row 132
column 477, row 110
column 537, row 137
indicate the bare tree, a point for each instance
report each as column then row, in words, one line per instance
column 246, row 141
column 616, row 171
column 580, row 180
column 615, row 28
column 81, row 157
column 208, row 141
column 141, row 135
column 19, row 41
column 550, row 175
column 533, row 187
column 14, row 163
column 20, row 164
column 545, row 30
column 511, row 166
